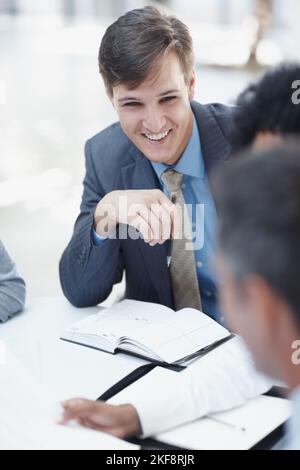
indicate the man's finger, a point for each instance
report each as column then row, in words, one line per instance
column 75, row 409
column 155, row 224
column 163, row 199
column 163, row 211
column 99, row 413
column 142, row 225
column 77, row 404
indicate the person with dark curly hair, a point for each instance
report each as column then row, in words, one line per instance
column 268, row 110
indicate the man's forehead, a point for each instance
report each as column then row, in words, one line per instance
column 134, row 95
column 125, row 93
column 165, row 78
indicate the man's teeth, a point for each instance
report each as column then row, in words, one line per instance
column 157, row 136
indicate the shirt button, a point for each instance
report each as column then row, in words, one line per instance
column 199, row 264
column 208, row 293
column 183, row 185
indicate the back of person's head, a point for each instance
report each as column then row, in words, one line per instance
column 133, row 45
column 267, row 107
column 258, row 200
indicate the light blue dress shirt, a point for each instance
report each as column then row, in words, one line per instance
column 197, row 195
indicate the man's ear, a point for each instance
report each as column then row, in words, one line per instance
column 191, row 85
column 265, row 139
column 264, row 304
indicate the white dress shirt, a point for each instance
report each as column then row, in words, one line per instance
column 224, row 378
column 292, row 441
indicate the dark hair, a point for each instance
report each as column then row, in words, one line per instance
column 133, row 45
column 258, row 200
column 267, row 106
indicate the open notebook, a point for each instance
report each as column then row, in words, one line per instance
column 149, row 330
column 238, row 429
column 28, row 415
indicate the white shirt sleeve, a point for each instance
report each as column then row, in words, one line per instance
column 222, row 379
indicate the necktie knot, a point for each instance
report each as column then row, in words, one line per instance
column 172, row 180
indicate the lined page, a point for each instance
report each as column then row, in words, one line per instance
column 184, row 333
column 125, row 318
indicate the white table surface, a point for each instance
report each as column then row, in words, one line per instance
column 67, row 370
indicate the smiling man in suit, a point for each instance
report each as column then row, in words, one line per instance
column 161, row 151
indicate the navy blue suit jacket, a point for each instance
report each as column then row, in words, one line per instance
column 88, row 272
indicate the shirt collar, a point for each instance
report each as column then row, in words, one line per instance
column 191, row 161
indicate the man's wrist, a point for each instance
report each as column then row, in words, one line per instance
column 105, row 216
column 132, row 425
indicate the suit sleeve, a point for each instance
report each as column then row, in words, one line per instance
column 12, row 287
column 89, row 271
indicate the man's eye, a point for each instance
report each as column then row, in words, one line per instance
column 131, row 103
column 169, row 98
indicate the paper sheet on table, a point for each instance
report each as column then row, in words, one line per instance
column 239, row 428
column 28, row 415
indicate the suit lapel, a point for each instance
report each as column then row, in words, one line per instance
column 215, row 147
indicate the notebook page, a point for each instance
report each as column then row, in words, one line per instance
column 125, row 318
column 239, row 428
column 187, row 331
column 28, row 415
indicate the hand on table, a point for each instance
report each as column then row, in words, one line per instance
column 120, row 421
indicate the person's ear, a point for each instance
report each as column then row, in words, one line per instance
column 263, row 304
column 266, row 139
column 191, row 85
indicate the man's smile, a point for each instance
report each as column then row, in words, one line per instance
column 157, row 137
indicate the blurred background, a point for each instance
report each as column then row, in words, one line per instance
column 52, row 99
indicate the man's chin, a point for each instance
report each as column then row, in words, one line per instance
column 165, row 159
column 165, row 155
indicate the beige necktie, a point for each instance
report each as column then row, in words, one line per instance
column 183, row 266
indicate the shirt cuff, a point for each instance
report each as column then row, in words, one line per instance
column 163, row 399
column 97, row 239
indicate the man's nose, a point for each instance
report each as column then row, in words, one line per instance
column 154, row 121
